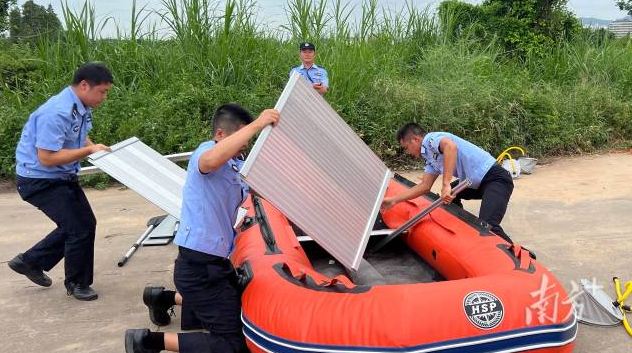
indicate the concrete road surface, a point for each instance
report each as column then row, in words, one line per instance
column 575, row 213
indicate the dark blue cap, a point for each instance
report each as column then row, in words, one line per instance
column 307, row 45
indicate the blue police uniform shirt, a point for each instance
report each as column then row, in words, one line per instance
column 209, row 206
column 63, row 122
column 471, row 161
column 314, row 74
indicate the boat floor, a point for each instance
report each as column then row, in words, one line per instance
column 396, row 263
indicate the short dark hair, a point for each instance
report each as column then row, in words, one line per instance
column 229, row 117
column 405, row 131
column 94, row 73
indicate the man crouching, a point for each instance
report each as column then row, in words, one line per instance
column 204, row 276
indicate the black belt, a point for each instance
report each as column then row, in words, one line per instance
column 62, row 177
column 189, row 255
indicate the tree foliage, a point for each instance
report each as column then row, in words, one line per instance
column 625, row 5
column 33, row 20
column 5, row 6
column 522, row 26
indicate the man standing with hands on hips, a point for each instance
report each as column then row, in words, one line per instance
column 314, row 74
column 53, row 142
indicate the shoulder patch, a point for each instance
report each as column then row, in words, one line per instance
column 75, row 112
column 433, row 142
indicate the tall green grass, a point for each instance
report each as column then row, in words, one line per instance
column 387, row 66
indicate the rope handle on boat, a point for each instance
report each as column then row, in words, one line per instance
column 521, row 257
column 404, row 227
column 518, row 249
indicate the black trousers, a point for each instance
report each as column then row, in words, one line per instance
column 210, row 301
column 64, row 202
column 494, row 191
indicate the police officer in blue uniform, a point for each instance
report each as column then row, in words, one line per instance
column 450, row 156
column 53, row 142
column 204, row 276
column 314, row 74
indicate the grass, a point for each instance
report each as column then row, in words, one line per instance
column 387, row 67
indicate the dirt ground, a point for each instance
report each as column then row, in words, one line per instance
column 573, row 212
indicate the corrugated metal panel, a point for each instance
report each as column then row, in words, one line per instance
column 145, row 171
column 319, row 173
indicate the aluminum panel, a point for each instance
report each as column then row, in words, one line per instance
column 319, row 173
column 145, row 171
column 178, row 157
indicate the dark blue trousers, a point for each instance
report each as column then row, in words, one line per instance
column 64, row 202
column 210, row 301
column 494, row 192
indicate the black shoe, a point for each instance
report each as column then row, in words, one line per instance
column 134, row 341
column 81, row 292
column 158, row 312
column 36, row 276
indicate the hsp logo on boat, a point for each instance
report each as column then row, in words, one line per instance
column 483, row 309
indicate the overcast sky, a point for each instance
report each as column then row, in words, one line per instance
column 273, row 12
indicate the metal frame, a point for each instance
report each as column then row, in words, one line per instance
column 376, row 210
column 373, row 233
column 426, row 211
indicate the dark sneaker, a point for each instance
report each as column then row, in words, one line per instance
column 134, row 341
column 158, row 312
column 81, row 292
column 36, row 276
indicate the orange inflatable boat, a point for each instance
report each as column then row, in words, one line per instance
column 448, row 285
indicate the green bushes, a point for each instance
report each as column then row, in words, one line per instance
column 15, row 72
column 386, row 68
column 523, row 27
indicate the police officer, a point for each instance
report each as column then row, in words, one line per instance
column 204, row 276
column 450, row 156
column 314, row 74
column 53, row 142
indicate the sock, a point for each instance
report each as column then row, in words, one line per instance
column 154, row 340
column 167, row 298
